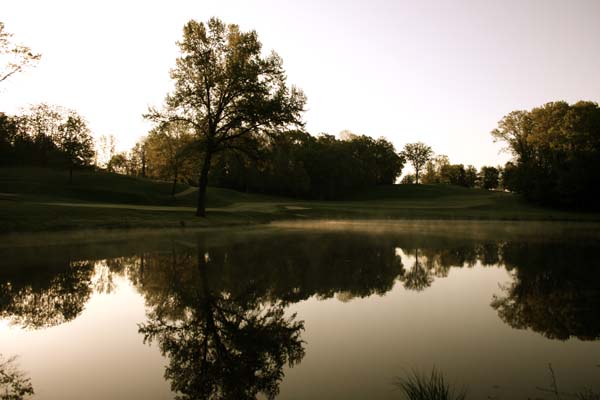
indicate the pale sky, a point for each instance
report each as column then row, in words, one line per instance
column 441, row 72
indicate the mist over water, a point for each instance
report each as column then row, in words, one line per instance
column 299, row 310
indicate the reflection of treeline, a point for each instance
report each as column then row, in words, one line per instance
column 40, row 292
column 555, row 289
column 46, row 293
column 291, row 269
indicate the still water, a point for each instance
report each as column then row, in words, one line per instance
column 332, row 311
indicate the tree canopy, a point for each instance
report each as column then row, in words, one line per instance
column 556, row 149
column 417, row 154
column 227, row 92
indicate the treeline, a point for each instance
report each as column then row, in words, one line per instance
column 46, row 136
column 300, row 165
column 556, row 149
column 438, row 170
column 290, row 163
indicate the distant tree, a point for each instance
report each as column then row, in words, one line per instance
column 105, row 149
column 417, row 154
column 510, row 177
column 169, row 150
column 41, row 123
column 14, row 57
column 118, row 163
column 470, row 176
column 76, row 142
column 138, row 156
column 227, row 92
column 8, row 134
column 433, row 169
column 453, row 174
column 408, row 179
column 489, row 177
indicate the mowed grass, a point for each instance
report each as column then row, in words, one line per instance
column 37, row 199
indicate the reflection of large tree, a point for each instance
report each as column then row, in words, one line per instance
column 418, row 277
column 556, row 290
column 220, row 345
column 45, row 295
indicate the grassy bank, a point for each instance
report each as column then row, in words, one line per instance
column 35, row 200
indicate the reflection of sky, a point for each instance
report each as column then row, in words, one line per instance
column 354, row 348
column 99, row 355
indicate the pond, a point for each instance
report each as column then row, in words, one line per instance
column 299, row 311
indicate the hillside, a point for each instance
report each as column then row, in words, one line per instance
column 36, row 199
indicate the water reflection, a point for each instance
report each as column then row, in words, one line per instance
column 46, row 294
column 555, row 290
column 220, row 344
column 216, row 305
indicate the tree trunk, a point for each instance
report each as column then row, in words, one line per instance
column 417, row 176
column 70, row 174
column 174, row 184
column 202, row 183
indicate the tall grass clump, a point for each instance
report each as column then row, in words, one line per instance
column 433, row 386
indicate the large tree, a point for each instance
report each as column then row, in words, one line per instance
column 418, row 154
column 227, row 92
column 13, row 57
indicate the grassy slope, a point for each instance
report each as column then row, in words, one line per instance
column 34, row 199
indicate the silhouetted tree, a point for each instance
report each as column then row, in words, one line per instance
column 118, row 163
column 76, row 143
column 8, row 136
column 470, row 176
column 417, row 154
column 220, row 346
column 489, row 177
column 17, row 57
column 227, row 92
column 453, row 174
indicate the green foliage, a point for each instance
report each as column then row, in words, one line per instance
column 556, row 149
column 433, row 386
